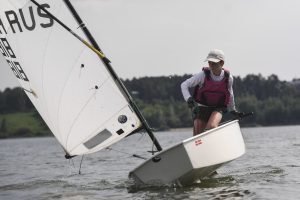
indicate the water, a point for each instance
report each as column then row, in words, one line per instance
column 36, row 169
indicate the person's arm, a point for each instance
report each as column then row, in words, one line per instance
column 231, row 105
column 191, row 82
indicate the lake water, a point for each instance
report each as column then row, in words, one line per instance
column 35, row 168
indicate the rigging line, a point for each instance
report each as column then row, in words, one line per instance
column 98, row 52
column 82, row 25
column 134, row 155
column 142, row 135
column 82, row 109
column 64, row 87
column 153, row 148
column 78, row 115
column 30, row 91
column 71, row 161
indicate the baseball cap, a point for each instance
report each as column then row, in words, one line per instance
column 215, row 55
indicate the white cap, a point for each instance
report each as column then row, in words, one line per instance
column 215, row 55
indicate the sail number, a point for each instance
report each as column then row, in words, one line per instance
column 10, row 57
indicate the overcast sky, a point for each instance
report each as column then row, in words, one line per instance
column 168, row 37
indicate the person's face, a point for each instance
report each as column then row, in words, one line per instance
column 214, row 65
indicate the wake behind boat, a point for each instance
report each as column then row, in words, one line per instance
column 194, row 158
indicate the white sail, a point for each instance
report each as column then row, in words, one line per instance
column 66, row 81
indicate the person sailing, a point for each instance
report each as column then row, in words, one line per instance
column 213, row 93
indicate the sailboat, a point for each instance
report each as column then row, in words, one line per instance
column 194, row 158
column 73, row 86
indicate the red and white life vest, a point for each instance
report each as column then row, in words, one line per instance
column 213, row 93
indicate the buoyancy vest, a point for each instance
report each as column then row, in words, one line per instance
column 213, row 93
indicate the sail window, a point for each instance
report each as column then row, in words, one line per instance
column 98, row 139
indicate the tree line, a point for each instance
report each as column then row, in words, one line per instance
column 274, row 102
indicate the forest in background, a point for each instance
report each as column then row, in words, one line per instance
column 274, row 102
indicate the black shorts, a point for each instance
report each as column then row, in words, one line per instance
column 203, row 113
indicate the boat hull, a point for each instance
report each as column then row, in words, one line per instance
column 193, row 158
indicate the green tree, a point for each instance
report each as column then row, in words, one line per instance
column 3, row 129
column 2, row 103
column 15, row 100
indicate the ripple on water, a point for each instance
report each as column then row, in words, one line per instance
column 230, row 193
column 33, row 185
column 266, row 170
column 293, row 166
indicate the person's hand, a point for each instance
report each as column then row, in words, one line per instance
column 237, row 113
column 191, row 103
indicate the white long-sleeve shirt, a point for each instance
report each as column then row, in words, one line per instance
column 198, row 79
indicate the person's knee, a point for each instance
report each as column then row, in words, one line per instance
column 199, row 126
column 211, row 126
column 198, row 122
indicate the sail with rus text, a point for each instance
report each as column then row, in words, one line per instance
column 68, row 84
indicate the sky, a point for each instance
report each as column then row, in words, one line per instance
column 173, row 37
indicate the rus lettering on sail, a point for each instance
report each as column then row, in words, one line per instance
column 18, row 21
column 25, row 19
column 2, row 28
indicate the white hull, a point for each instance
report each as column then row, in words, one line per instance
column 193, row 158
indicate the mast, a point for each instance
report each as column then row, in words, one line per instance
column 95, row 47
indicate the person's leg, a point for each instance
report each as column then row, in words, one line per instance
column 214, row 120
column 199, row 126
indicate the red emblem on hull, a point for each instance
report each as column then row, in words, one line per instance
column 198, row 142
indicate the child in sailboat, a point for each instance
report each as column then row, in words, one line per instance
column 213, row 93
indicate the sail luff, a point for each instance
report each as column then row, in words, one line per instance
column 119, row 83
